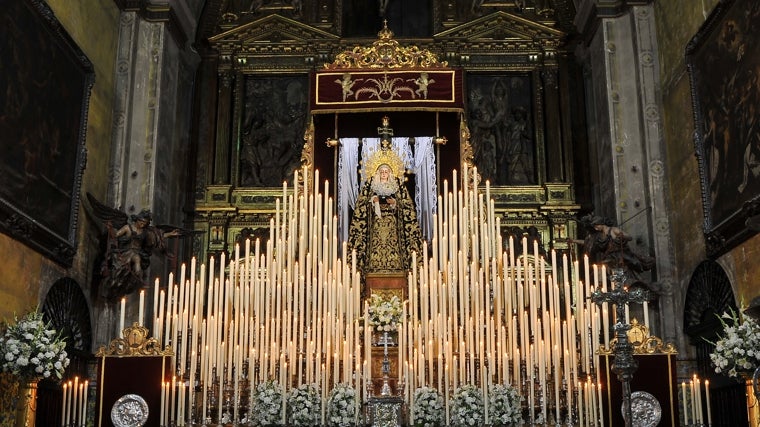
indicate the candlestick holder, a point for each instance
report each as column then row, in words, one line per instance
column 211, row 398
column 568, row 404
column 385, row 390
column 370, row 388
column 178, row 347
column 227, row 400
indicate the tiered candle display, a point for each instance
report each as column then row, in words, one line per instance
column 289, row 308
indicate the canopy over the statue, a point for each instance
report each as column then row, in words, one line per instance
column 355, row 90
column 386, row 76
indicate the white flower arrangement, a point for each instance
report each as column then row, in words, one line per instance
column 738, row 349
column 467, row 408
column 341, row 406
column 428, row 407
column 32, row 349
column 504, row 405
column 304, row 405
column 266, row 405
column 384, row 313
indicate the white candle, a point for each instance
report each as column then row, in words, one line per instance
column 69, row 403
column 155, row 307
column 161, row 421
column 142, row 308
column 65, row 404
column 685, row 414
column 646, row 314
column 83, row 412
column 75, row 400
column 700, row 417
column 693, row 394
column 172, row 395
column 599, row 396
column 707, row 398
column 121, row 315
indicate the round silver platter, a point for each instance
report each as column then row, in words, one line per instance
column 645, row 408
column 130, row 410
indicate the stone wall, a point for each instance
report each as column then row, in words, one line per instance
column 26, row 274
column 677, row 22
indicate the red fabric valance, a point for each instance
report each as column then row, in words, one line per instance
column 372, row 90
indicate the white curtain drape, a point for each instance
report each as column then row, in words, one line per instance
column 425, row 184
column 348, row 186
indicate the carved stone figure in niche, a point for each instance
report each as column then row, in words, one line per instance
column 384, row 230
column 130, row 240
column 501, row 129
column 274, row 118
column 609, row 245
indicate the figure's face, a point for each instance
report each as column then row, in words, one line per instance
column 384, row 172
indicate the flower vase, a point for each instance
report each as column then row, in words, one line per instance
column 26, row 406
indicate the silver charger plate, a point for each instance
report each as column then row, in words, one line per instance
column 645, row 408
column 130, row 410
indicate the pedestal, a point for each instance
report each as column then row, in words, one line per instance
column 377, row 369
column 385, row 411
column 26, row 407
column 659, row 381
column 387, row 284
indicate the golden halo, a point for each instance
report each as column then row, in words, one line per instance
column 384, row 155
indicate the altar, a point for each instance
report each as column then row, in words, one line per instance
column 491, row 315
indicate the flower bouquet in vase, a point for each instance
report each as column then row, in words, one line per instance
column 504, row 405
column 737, row 351
column 304, row 405
column 30, row 350
column 427, row 410
column 342, row 406
column 467, row 406
column 384, row 316
column 266, row 403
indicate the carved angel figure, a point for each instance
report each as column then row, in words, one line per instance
column 346, row 85
column 129, row 243
column 607, row 244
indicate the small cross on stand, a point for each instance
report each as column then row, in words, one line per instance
column 624, row 364
column 385, row 132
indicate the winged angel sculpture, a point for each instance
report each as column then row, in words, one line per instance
column 129, row 243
